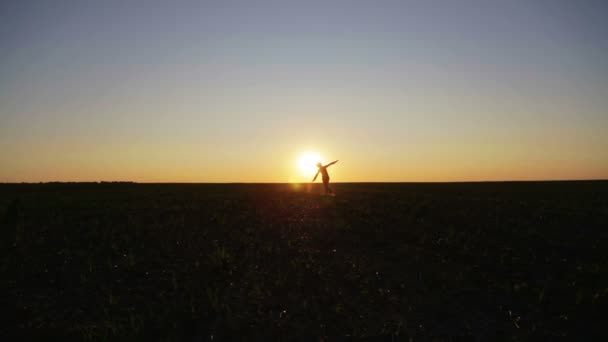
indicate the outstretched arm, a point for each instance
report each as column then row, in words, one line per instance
column 316, row 175
column 332, row 163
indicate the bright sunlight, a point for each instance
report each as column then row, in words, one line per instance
column 307, row 163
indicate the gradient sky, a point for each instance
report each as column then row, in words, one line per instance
column 234, row 91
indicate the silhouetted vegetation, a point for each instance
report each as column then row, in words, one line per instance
column 386, row 262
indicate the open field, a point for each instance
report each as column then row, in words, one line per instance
column 380, row 262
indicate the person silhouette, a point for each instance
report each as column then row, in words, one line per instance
column 325, row 176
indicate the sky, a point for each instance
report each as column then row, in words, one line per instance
column 237, row 91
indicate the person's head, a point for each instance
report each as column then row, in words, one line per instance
column 319, row 164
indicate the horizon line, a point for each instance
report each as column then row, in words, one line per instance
column 356, row 182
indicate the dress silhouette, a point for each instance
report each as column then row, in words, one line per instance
column 325, row 176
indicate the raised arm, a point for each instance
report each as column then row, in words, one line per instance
column 316, row 175
column 332, row 163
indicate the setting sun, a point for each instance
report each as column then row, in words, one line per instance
column 307, row 163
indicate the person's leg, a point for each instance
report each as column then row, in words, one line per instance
column 328, row 189
column 326, row 185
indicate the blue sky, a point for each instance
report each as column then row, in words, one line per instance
column 201, row 90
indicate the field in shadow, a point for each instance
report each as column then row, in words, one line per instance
column 279, row 262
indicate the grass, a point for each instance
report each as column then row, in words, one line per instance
column 395, row 262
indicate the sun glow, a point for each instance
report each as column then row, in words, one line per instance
column 307, row 163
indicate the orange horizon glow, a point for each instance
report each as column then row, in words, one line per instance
column 290, row 168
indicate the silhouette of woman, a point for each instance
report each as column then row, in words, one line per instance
column 325, row 175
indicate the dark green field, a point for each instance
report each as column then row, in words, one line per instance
column 516, row 261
